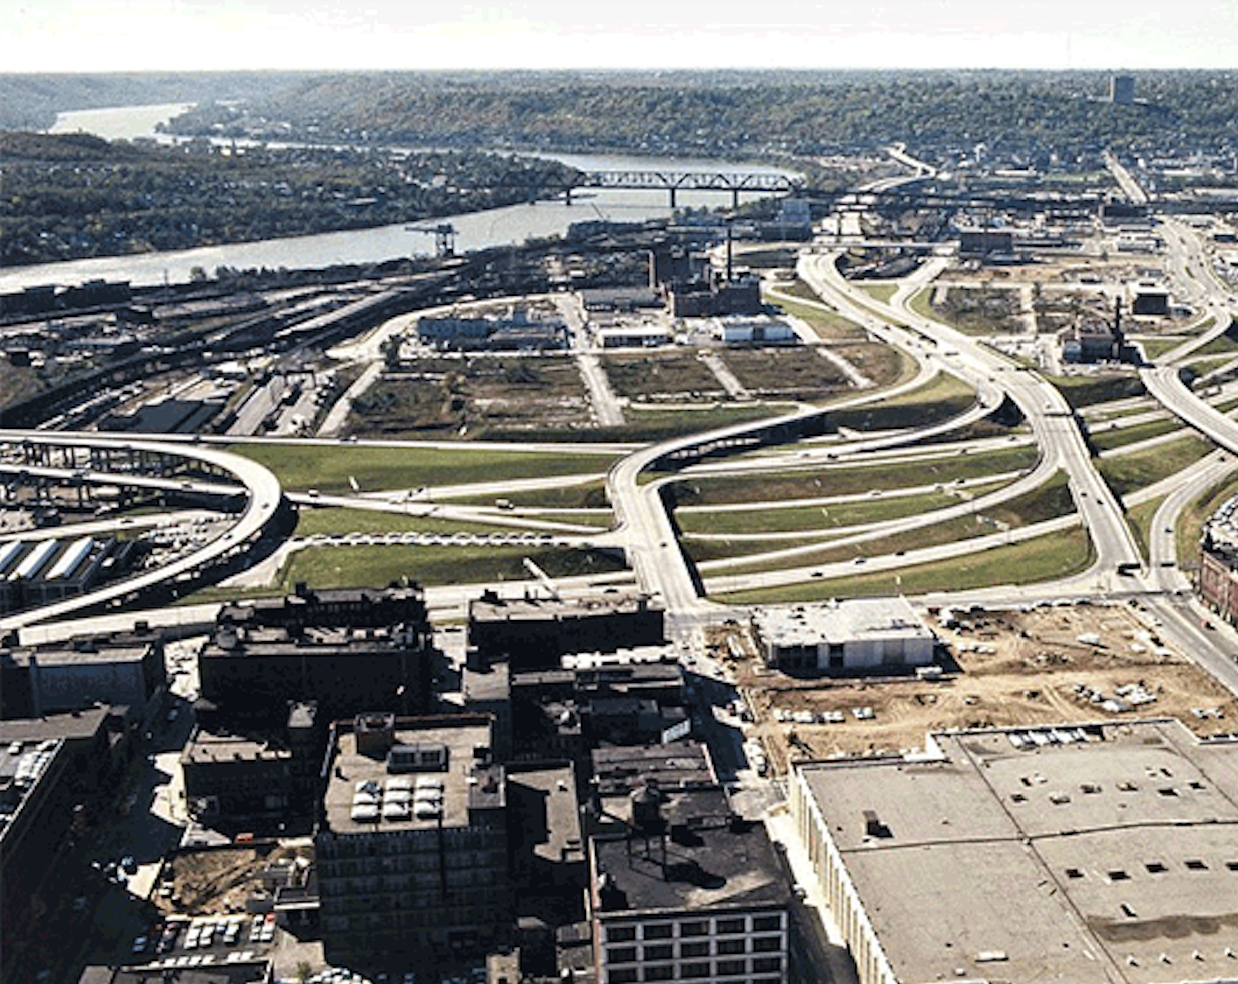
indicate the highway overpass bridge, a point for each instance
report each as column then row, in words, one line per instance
column 189, row 469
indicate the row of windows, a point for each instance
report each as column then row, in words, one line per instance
column 411, row 840
column 697, row 971
column 722, row 926
column 694, row 948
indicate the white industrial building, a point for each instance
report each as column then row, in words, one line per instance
column 858, row 634
column 760, row 330
column 1090, row 854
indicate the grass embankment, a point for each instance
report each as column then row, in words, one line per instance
column 1084, row 391
column 332, row 520
column 1139, row 519
column 328, row 467
column 826, row 322
column 836, row 515
column 332, row 567
column 1130, row 472
column 939, row 399
column 1154, row 348
column 850, row 479
column 1049, row 501
column 1044, row 558
column 587, row 495
column 879, row 292
column 1117, row 437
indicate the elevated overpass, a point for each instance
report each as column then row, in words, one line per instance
column 260, row 509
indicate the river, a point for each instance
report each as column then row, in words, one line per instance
column 475, row 230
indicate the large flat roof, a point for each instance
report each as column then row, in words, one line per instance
column 713, row 861
column 466, row 780
column 841, row 621
column 1113, row 858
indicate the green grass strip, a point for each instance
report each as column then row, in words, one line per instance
column 328, row 468
column 1044, row 558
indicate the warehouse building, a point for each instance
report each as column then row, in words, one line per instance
column 1091, row 854
column 858, row 635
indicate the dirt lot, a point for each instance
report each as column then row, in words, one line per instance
column 218, row 881
column 445, row 397
column 1015, row 669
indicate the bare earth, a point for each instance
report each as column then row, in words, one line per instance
column 1014, row 669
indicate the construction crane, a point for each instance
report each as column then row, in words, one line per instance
column 444, row 237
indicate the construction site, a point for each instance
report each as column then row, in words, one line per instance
column 224, row 881
column 1064, row 665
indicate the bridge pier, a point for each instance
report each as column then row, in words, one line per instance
column 672, row 191
column 734, row 198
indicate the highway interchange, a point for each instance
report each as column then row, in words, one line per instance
column 646, row 530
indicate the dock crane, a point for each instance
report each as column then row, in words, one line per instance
column 444, row 237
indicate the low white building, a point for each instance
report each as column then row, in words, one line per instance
column 753, row 330
column 858, row 634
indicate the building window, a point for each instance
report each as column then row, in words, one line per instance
column 766, row 964
column 628, row 975
column 659, row 951
column 763, row 923
column 621, row 954
column 732, row 968
column 660, row 972
column 659, row 931
column 766, row 944
column 697, row 927
column 689, row 970
column 620, row 934
column 700, row 949
column 729, row 926
column 732, row 946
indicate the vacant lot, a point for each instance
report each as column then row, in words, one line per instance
column 1015, row 669
column 474, row 397
column 788, row 374
column 674, row 375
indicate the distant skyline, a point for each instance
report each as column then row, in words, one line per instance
column 171, row 35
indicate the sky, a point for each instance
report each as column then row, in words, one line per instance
column 143, row 35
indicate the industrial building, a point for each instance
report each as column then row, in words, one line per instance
column 514, row 332
column 354, row 608
column 257, row 672
column 412, row 845
column 39, row 572
column 246, row 776
column 123, row 669
column 56, row 773
column 534, row 633
column 759, row 330
column 1102, row 853
column 682, row 889
column 857, row 635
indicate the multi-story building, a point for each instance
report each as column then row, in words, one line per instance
column 686, row 890
column 120, row 669
column 250, row 776
column 259, row 671
column 412, row 842
column 536, row 632
column 353, row 608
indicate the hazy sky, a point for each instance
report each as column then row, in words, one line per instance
column 133, row 35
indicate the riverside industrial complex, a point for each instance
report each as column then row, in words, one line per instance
column 844, row 591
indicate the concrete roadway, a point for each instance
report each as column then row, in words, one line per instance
column 1044, row 407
